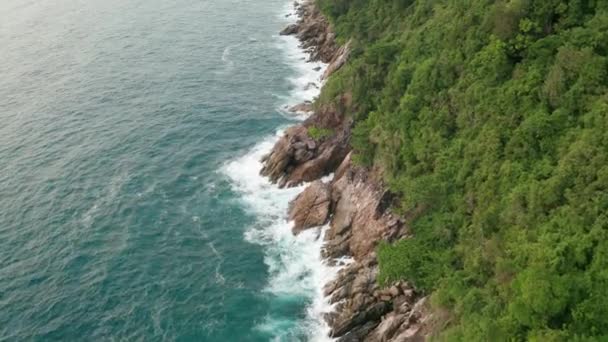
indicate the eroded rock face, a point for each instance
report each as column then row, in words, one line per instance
column 354, row 202
column 338, row 60
column 297, row 158
column 314, row 32
column 360, row 219
column 311, row 207
column 367, row 312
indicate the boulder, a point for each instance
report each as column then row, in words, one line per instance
column 297, row 158
column 387, row 328
column 289, row 30
column 311, row 207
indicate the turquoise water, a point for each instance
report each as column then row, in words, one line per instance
column 130, row 206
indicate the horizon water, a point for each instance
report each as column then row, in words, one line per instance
column 131, row 204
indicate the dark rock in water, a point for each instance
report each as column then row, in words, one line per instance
column 311, row 85
column 289, row 30
column 311, row 208
column 316, row 69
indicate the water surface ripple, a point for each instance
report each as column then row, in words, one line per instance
column 116, row 116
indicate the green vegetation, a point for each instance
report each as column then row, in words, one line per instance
column 490, row 120
column 319, row 133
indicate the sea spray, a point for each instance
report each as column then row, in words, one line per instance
column 297, row 270
column 306, row 83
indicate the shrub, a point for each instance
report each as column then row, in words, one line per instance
column 320, row 133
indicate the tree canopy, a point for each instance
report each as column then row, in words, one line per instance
column 490, row 120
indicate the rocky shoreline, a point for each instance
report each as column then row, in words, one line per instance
column 354, row 203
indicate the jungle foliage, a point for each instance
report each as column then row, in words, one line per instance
column 490, row 119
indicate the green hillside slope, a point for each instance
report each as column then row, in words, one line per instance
column 489, row 119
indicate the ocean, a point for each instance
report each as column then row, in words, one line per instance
column 131, row 208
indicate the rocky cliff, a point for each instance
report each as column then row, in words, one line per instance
column 354, row 203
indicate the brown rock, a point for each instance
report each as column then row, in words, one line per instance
column 394, row 291
column 387, row 328
column 297, row 158
column 356, row 200
column 361, row 208
column 302, row 155
column 339, row 59
column 386, row 298
column 344, row 167
column 411, row 334
column 311, row 207
column 311, row 85
column 314, row 32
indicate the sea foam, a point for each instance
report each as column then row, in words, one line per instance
column 306, row 83
column 295, row 265
column 297, row 270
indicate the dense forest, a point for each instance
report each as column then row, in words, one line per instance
column 489, row 122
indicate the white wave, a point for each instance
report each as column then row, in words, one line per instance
column 306, row 84
column 219, row 278
column 296, row 267
column 226, row 57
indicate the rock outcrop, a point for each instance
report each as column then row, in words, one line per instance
column 359, row 208
column 298, row 157
column 354, row 202
column 338, row 60
column 366, row 312
column 305, row 107
column 311, row 207
column 361, row 218
column 315, row 34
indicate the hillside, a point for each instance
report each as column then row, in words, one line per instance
column 488, row 121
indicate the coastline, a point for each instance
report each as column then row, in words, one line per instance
column 351, row 206
column 320, row 215
column 296, row 266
